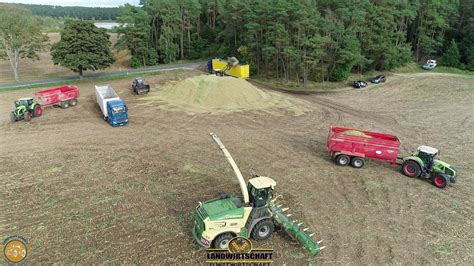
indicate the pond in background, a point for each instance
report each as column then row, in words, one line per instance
column 106, row 24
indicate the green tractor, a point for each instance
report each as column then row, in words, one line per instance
column 25, row 109
column 424, row 164
column 254, row 214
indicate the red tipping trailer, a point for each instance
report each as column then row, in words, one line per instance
column 353, row 146
column 348, row 145
column 64, row 96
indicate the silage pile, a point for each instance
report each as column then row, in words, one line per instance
column 209, row 93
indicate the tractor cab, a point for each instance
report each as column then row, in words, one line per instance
column 139, row 86
column 138, row 81
column 260, row 190
column 426, row 153
column 25, row 108
column 23, row 102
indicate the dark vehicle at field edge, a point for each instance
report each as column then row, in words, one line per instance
column 359, row 84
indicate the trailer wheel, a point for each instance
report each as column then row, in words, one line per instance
column 64, row 105
column 263, row 229
column 222, row 241
column 73, row 102
column 342, row 160
column 440, row 181
column 37, row 111
column 411, row 168
column 357, row 162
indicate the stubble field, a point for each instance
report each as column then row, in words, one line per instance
column 83, row 192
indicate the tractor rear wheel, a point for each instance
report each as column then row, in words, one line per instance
column 222, row 241
column 73, row 102
column 37, row 111
column 263, row 229
column 440, row 181
column 342, row 160
column 411, row 168
column 357, row 162
column 27, row 116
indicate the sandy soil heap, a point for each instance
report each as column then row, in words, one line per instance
column 212, row 93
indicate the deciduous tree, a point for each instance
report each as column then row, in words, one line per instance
column 82, row 47
column 20, row 35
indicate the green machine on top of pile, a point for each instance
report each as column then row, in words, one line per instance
column 254, row 214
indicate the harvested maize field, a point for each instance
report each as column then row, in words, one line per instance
column 83, row 192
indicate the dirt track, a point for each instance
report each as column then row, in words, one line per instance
column 83, row 192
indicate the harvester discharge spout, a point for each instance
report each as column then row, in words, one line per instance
column 238, row 174
column 294, row 229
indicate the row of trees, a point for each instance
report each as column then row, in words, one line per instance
column 299, row 39
column 78, row 12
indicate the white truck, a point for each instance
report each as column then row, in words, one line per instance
column 114, row 110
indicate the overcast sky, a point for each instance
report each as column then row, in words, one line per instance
column 94, row 3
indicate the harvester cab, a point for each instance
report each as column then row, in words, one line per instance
column 424, row 163
column 25, row 108
column 260, row 190
column 253, row 214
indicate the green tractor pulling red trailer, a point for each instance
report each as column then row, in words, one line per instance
column 26, row 108
column 254, row 214
column 353, row 146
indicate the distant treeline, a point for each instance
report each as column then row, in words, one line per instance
column 88, row 13
column 302, row 39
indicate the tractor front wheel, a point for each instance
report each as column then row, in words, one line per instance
column 263, row 229
column 411, row 169
column 342, row 160
column 357, row 162
column 27, row 116
column 12, row 117
column 440, row 181
column 222, row 241
column 37, row 111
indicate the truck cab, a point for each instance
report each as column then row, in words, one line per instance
column 117, row 113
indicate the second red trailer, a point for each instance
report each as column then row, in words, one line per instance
column 353, row 146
